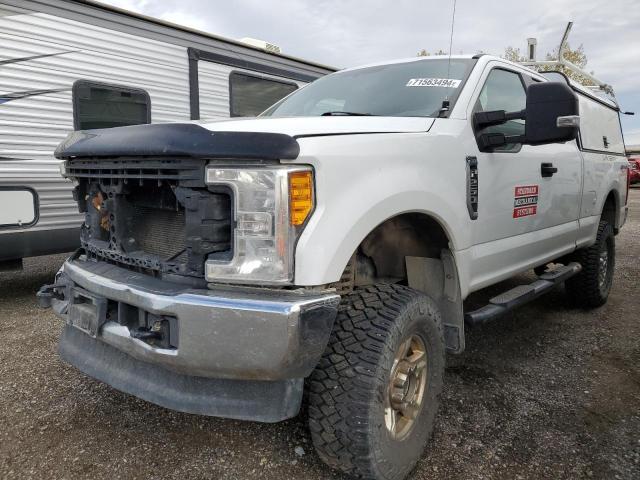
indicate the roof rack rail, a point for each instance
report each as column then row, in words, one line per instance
column 561, row 61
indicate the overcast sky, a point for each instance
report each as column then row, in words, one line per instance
column 344, row 33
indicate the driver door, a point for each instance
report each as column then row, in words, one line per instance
column 519, row 224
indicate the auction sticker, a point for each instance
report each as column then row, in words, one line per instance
column 433, row 82
column 525, row 202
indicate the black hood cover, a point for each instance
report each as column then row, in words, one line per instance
column 176, row 140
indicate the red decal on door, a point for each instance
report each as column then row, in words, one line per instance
column 526, row 190
column 524, row 211
column 525, row 202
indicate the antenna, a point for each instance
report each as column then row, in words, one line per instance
column 445, row 103
column 453, row 20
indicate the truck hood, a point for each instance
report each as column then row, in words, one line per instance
column 315, row 126
column 257, row 138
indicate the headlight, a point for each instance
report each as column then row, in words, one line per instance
column 271, row 205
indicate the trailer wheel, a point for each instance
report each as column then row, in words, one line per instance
column 591, row 287
column 374, row 395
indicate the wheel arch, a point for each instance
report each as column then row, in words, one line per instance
column 408, row 234
column 335, row 232
column 611, row 208
column 415, row 249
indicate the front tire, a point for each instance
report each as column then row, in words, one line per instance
column 591, row 287
column 374, row 394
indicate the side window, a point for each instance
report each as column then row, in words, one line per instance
column 100, row 105
column 503, row 90
column 250, row 95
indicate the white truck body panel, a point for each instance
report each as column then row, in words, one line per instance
column 418, row 165
column 600, row 122
column 322, row 126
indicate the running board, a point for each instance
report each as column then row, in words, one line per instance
column 521, row 294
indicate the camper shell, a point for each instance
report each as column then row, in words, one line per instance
column 74, row 65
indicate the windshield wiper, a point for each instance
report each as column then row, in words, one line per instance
column 346, row 114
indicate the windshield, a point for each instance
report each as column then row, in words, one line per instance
column 410, row 89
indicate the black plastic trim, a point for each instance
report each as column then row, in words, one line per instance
column 521, row 295
column 473, row 187
column 177, row 140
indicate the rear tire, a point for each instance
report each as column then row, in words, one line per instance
column 374, row 394
column 591, row 287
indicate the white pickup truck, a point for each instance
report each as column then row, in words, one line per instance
column 330, row 243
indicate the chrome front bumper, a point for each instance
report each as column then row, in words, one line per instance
column 222, row 333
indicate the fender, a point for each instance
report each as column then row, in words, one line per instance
column 322, row 256
column 355, row 195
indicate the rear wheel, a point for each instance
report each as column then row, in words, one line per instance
column 374, row 395
column 591, row 287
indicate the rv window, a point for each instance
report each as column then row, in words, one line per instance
column 99, row 105
column 251, row 95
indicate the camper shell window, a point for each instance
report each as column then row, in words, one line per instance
column 100, row 105
column 250, row 95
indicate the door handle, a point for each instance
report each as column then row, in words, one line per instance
column 547, row 170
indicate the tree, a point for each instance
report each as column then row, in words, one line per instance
column 577, row 57
column 513, row 55
column 424, row 53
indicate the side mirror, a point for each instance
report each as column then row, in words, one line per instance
column 551, row 116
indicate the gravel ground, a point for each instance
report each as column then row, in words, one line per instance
column 547, row 392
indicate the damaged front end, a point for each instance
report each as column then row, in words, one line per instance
column 182, row 291
column 155, row 215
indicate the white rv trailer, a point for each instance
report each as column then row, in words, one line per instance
column 68, row 65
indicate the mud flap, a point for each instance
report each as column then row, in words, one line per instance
column 438, row 277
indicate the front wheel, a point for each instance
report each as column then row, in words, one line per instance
column 374, row 395
column 591, row 287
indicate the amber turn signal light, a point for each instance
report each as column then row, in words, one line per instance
column 300, row 196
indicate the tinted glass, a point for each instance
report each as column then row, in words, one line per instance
column 555, row 77
column 251, row 95
column 503, row 90
column 104, row 106
column 410, row 89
